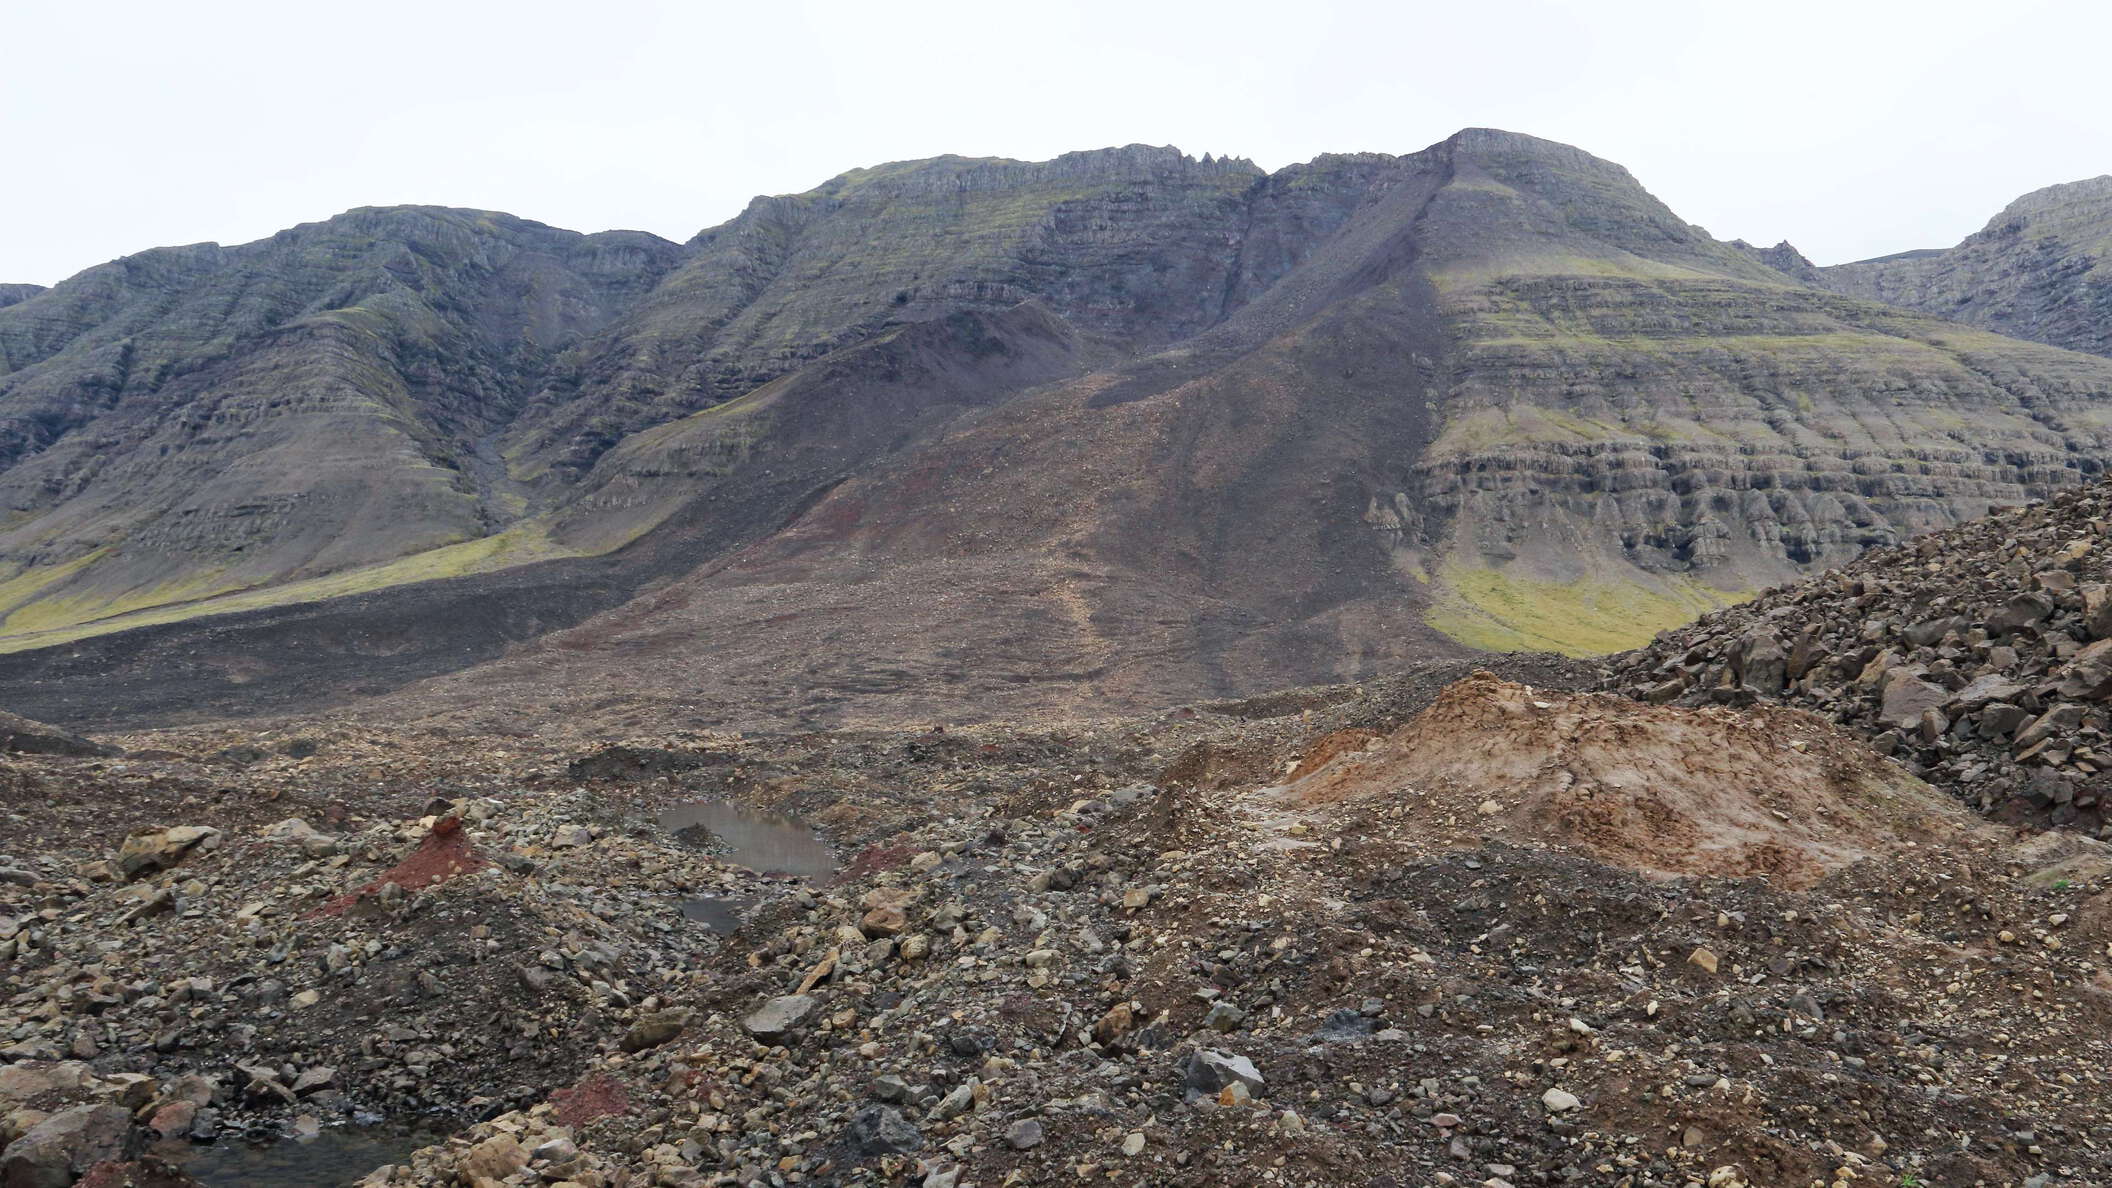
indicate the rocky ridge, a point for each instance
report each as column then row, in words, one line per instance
column 2041, row 269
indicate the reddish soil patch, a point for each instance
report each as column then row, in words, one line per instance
column 598, row 1096
column 872, row 860
column 444, row 854
column 1674, row 791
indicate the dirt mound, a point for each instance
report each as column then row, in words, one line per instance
column 1665, row 790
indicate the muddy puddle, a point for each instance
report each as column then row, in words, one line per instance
column 767, row 843
column 335, row 1158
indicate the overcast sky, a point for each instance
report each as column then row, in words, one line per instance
column 1851, row 128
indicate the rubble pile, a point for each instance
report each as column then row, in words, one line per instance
column 1300, row 940
column 1980, row 657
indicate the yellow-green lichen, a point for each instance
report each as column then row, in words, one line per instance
column 1495, row 611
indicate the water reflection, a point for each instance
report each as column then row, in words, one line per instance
column 335, row 1158
column 764, row 842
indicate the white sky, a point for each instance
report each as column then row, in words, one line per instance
column 1851, row 127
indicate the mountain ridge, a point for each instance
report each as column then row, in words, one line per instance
column 1490, row 394
column 2040, row 269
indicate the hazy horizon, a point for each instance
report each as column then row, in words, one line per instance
column 1850, row 131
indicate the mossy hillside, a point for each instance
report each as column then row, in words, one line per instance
column 1498, row 611
column 38, row 625
column 1653, row 361
column 287, row 408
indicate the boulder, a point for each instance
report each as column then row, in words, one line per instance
column 1209, row 1071
column 1984, row 689
column 1763, row 665
column 149, row 850
column 1906, row 696
column 2024, row 611
column 882, row 1130
column 2089, row 674
column 2058, row 720
column 776, row 1019
column 61, row 1148
column 496, row 1158
column 295, row 832
column 2097, row 610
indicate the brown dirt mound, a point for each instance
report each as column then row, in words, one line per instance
column 1664, row 790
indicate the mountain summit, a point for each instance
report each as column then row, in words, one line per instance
column 960, row 437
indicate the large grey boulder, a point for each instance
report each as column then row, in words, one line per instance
column 1209, row 1071
column 776, row 1019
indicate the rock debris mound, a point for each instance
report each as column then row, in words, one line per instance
column 1979, row 657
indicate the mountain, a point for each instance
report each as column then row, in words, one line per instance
column 2041, row 269
column 193, row 421
column 10, row 294
column 969, row 437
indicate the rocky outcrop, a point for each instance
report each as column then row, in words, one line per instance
column 1783, row 258
column 21, row 736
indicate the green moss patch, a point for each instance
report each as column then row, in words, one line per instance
column 1495, row 611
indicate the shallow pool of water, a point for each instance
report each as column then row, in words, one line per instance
column 720, row 913
column 765, row 842
column 336, row 1158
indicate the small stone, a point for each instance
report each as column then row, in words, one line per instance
column 1559, row 1101
column 1705, row 958
column 1024, row 1134
column 655, row 1029
column 882, row 1130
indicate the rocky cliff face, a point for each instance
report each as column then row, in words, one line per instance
column 1136, row 245
column 2042, row 270
column 982, row 436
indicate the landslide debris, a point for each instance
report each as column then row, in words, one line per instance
column 1272, row 941
column 1980, row 657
